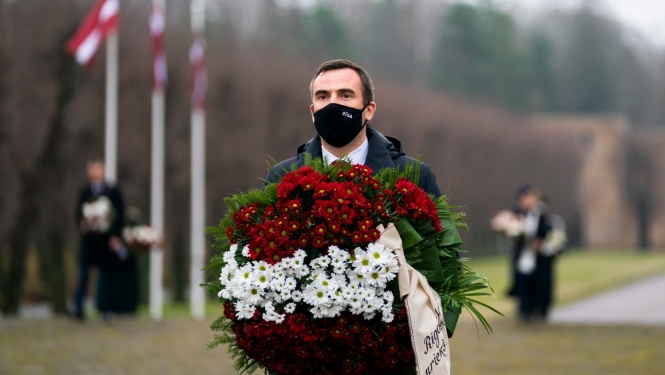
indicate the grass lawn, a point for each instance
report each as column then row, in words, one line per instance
column 177, row 344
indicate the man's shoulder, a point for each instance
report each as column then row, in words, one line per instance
column 427, row 178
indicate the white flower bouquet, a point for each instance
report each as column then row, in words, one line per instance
column 143, row 237
column 329, row 285
column 98, row 214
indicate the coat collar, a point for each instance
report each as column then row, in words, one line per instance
column 378, row 154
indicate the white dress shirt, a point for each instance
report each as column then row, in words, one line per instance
column 357, row 156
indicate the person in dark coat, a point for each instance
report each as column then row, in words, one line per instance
column 342, row 105
column 99, row 245
column 534, row 277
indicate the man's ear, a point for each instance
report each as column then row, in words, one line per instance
column 370, row 111
column 311, row 111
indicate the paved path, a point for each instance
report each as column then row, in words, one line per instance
column 642, row 302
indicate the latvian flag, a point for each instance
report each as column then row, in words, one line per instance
column 158, row 55
column 102, row 20
column 199, row 75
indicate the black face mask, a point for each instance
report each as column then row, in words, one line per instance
column 338, row 124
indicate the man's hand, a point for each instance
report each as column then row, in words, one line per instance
column 537, row 245
column 115, row 243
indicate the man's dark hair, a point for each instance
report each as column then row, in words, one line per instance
column 527, row 189
column 365, row 81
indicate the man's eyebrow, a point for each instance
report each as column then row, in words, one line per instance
column 346, row 90
column 321, row 91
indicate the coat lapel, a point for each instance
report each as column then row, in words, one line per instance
column 378, row 155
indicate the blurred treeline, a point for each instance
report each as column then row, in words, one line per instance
column 454, row 82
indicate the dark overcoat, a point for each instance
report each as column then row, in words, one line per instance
column 383, row 152
column 94, row 246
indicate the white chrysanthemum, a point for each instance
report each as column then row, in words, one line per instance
column 340, row 279
column 325, row 283
column 387, row 315
column 254, row 295
column 290, row 308
column 327, row 310
column 366, row 293
column 378, row 254
column 273, row 317
column 355, row 278
column 224, row 294
column 296, row 296
column 285, row 295
column 347, row 293
column 389, row 298
column 378, row 278
column 391, row 265
column 320, row 262
column 278, row 274
column 244, row 311
column 300, row 254
column 226, row 274
column 261, row 279
column 285, row 265
column 243, row 274
column 355, row 308
column 290, row 283
column 375, row 304
column 315, row 296
column 315, row 273
column 261, row 266
column 230, row 254
column 277, row 284
column 338, row 263
column 362, row 264
column 245, row 251
column 301, row 271
column 369, row 315
column 333, row 251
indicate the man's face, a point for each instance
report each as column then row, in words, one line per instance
column 340, row 86
column 96, row 172
column 528, row 201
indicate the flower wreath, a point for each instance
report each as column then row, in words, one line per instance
column 307, row 289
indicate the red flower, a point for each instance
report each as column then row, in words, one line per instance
column 320, row 230
column 311, row 334
column 297, row 323
column 318, row 242
column 404, row 186
column 293, row 207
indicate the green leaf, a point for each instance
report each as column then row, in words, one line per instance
column 407, row 233
column 430, row 266
column 451, row 316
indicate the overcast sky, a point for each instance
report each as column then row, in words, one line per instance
column 646, row 16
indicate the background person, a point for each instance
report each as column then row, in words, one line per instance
column 99, row 217
column 534, row 253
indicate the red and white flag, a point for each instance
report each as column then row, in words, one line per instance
column 199, row 75
column 101, row 21
column 159, row 72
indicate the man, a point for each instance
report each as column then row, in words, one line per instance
column 98, row 245
column 342, row 105
column 533, row 255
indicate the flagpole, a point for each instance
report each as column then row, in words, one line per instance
column 157, row 193
column 111, row 116
column 197, row 296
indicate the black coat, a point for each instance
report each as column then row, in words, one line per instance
column 383, row 152
column 94, row 246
